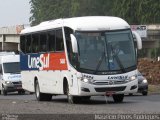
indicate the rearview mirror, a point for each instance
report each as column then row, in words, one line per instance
column 74, row 43
column 137, row 38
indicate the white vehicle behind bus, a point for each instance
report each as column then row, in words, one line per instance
column 77, row 57
column 10, row 77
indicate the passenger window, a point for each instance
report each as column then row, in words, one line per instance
column 22, row 43
column 28, row 44
column 35, row 43
column 43, row 42
column 59, row 40
column 51, row 40
column 69, row 31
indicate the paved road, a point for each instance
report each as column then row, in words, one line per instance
column 27, row 104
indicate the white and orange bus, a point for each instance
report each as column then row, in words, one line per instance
column 79, row 57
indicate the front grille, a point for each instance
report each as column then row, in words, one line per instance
column 18, row 85
column 105, row 89
column 101, row 82
column 108, row 82
column 120, row 82
column 16, row 82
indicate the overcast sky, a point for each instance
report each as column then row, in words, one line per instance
column 14, row 12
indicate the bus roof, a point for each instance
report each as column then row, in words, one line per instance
column 88, row 23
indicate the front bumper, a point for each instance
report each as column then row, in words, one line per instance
column 142, row 88
column 15, row 86
column 91, row 90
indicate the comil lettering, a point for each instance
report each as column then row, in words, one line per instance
column 118, row 77
column 40, row 62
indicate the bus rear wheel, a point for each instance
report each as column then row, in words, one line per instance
column 41, row 96
column 118, row 98
column 4, row 92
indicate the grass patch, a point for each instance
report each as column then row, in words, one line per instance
column 154, row 88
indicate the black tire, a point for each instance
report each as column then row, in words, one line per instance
column 21, row 92
column 86, row 98
column 118, row 98
column 0, row 92
column 71, row 99
column 41, row 96
column 4, row 92
column 130, row 94
column 47, row 97
column 144, row 93
column 31, row 93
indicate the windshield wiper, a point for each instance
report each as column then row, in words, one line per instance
column 100, row 62
column 120, row 63
column 118, row 60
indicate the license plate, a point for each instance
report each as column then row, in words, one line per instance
column 110, row 93
column 19, row 87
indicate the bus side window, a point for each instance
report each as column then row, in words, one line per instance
column 35, row 43
column 59, row 40
column 43, row 42
column 22, row 43
column 69, row 31
column 28, row 44
column 51, row 40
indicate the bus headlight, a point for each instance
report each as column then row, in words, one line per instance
column 8, row 82
column 85, row 80
column 133, row 78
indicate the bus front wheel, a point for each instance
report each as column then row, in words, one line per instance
column 118, row 98
column 71, row 99
column 41, row 96
column 4, row 92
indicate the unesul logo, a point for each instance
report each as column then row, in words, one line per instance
column 40, row 62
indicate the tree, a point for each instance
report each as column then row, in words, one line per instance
column 138, row 11
column 53, row 9
column 134, row 11
column 47, row 10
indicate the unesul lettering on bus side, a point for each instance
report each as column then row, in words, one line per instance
column 40, row 62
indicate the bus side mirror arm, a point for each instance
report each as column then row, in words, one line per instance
column 74, row 43
column 138, row 39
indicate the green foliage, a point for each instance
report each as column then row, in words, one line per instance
column 52, row 9
column 138, row 11
column 134, row 11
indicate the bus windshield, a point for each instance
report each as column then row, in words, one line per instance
column 106, row 52
column 13, row 67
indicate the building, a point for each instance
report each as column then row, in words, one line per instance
column 151, row 44
column 9, row 38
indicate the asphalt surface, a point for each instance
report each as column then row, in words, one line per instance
column 26, row 104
